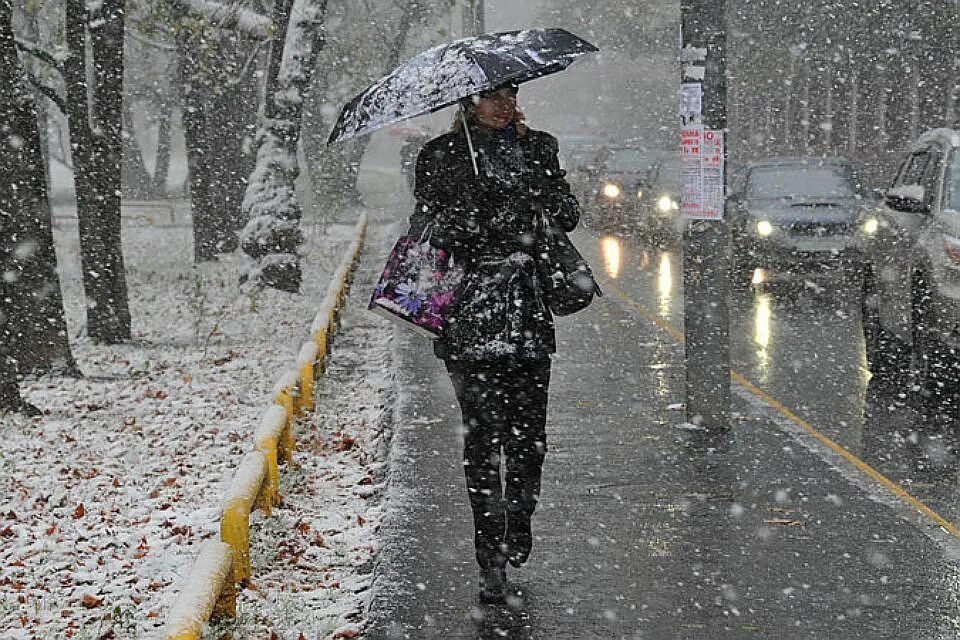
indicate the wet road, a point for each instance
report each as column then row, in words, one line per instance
column 801, row 342
column 648, row 530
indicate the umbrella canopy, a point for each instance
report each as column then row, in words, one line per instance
column 450, row 72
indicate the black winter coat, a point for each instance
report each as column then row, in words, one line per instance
column 488, row 222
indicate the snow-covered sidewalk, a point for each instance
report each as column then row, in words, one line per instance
column 104, row 501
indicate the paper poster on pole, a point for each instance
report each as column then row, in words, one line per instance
column 691, row 171
column 711, row 167
column 691, row 103
column 701, row 159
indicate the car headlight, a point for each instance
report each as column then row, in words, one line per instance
column 639, row 194
column 611, row 190
column 666, row 204
column 764, row 228
column 870, row 226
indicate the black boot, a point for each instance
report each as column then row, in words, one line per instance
column 519, row 538
column 493, row 584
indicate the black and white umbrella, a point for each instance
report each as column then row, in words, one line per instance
column 445, row 74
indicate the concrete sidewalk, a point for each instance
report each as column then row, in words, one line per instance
column 647, row 529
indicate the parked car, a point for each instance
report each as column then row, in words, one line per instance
column 911, row 276
column 795, row 216
column 615, row 201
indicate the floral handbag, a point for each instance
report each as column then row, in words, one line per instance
column 418, row 285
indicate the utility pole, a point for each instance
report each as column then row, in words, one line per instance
column 706, row 247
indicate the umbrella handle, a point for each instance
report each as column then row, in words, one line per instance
column 466, row 130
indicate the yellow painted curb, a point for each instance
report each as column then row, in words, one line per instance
column 241, row 499
column 268, row 440
column 208, row 592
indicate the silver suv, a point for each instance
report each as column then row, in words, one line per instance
column 911, row 284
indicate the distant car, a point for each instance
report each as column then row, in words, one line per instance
column 577, row 156
column 911, row 271
column 615, row 203
column 660, row 221
column 795, row 216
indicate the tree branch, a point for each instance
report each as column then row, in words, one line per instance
column 132, row 33
column 228, row 16
column 38, row 52
column 48, row 92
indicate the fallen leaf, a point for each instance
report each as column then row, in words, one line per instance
column 784, row 522
column 348, row 633
column 90, row 602
column 79, row 512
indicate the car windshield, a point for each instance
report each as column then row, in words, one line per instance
column 799, row 180
column 624, row 160
column 953, row 184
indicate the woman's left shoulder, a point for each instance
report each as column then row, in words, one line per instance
column 542, row 141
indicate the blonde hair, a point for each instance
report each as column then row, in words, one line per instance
column 519, row 120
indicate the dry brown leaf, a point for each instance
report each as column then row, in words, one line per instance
column 79, row 512
column 784, row 522
column 91, row 602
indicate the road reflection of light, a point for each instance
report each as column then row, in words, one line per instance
column 759, row 276
column 611, row 255
column 664, row 285
column 762, row 315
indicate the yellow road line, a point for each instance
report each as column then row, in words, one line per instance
column 881, row 479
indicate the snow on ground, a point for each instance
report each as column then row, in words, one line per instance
column 105, row 500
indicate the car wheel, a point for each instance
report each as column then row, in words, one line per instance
column 934, row 391
column 883, row 351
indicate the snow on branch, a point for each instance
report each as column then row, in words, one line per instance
column 39, row 53
column 229, row 16
column 273, row 235
column 49, row 92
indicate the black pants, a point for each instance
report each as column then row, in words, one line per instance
column 504, row 406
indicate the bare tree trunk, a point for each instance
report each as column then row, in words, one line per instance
column 273, row 235
column 161, row 167
column 220, row 108
column 410, row 9
column 136, row 180
column 854, row 115
column 200, row 172
column 97, row 164
column 33, row 331
column 828, row 115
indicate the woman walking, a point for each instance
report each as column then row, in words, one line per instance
column 482, row 189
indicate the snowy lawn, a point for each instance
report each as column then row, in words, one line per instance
column 105, row 500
